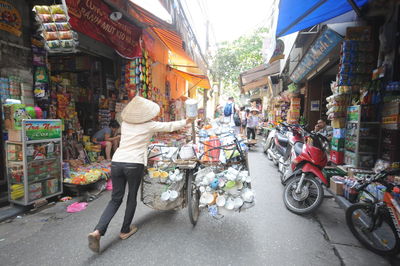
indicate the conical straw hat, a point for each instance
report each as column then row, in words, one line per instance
column 139, row 110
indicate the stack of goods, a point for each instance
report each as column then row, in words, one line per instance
column 345, row 186
column 79, row 174
column 35, row 191
column 163, row 187
column 104, row 112
column 55, row 29
column 13, row 116
column 41, row 88
column 356, row 62
column 93, row 150
column 224, row 190
column 391, row 123
column 15, row 87
column 294, row 111
column 4, row 89
column 138, row 80
column 17, row 191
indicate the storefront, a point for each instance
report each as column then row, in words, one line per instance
column 360, row 88
column 86, row 69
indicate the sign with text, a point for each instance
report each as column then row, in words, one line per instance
column 322, row 46
column 92, row 18
column 10, row 18
column 42, row 129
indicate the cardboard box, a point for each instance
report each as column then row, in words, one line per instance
column 337, row 157
column 14, row 135
column 336, row 186
column 13, row 115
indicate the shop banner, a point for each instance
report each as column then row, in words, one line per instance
column 92, row 18
column 42, row 129
column 10, row 18
column 318, row 51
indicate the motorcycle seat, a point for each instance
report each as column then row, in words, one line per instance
column 282, row 139
column 298, row 147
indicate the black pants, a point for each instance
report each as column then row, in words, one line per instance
column 251, row 132
column 120, row 174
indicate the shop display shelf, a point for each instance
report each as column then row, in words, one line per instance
column 372, row 137
column 44, row 160
column 41, row 179
column 40, row 141
column 16, row 162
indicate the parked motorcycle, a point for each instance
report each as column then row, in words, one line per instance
column 277, row 143
column 303, row 191
column 295, row 143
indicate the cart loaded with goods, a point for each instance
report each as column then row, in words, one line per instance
column 211, row 175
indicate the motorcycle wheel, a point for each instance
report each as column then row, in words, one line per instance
column 309, row 198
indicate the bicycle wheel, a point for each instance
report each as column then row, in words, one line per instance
column 193, row 197
column 380, row 236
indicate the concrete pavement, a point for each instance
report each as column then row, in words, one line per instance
column 267, row 234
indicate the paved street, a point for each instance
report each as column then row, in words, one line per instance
column 267, row 234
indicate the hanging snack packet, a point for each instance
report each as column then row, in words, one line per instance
column 50, row 35
column 62, row 26
column 57, row 9
column 44, row 18
column 41, row 9
column 65, row 35
column 59, row 18
column 41, row 75
column 49, row 27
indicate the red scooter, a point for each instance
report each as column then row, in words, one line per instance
column 303, row 191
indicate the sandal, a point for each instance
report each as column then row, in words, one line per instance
column 124, row 236
column 94, row 242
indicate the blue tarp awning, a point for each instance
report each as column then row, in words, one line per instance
column 295, row 15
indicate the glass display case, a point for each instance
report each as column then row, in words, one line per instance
column 34, row 164
column 361, row 143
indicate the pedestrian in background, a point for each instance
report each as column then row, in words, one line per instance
column 252, row 123
column 129, row 161
column 231, row 115
column 243, row 121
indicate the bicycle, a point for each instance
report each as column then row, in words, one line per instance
column 376, row 224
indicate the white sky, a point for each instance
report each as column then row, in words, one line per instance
column 229, row 19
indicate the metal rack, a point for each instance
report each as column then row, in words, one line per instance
column 24, row 165
column 354, row 155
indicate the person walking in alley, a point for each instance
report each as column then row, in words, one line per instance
column 252, row 123
column 129, row 161
column 231, row 115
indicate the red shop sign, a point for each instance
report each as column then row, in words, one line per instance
column 92, row 18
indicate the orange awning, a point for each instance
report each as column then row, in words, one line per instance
column 196, row 79
column 165, row 31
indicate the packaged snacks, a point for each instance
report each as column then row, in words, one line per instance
column 56, row 9
column 44, row 18
column 59, row 18
column 50, row 36
column 65, row 35
column 42, row 10
column 62, row 26
column 50, row 26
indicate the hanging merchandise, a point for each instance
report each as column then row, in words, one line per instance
column 55, row 29
column 138, row 79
